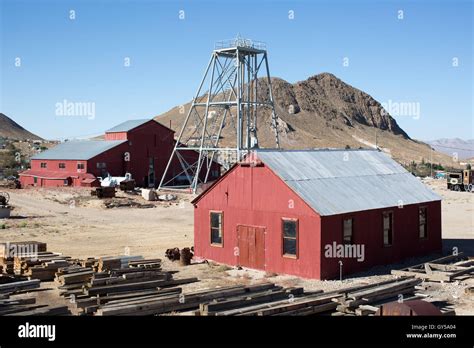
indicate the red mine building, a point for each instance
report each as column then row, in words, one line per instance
column 304, row 212
column 139, row 147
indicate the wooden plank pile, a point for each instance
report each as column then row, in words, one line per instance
column 193, row 302
column 445, row 269
column 6, row 265
column 364, row 300
column 9, row 250
column 42, row 266
column 13, row 303
column 356, row 300
column 277, row 302
column 119, row 279
column 31, row 259
column 116, row 262
column 133, row 286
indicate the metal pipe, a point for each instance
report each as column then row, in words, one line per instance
column 198, row 169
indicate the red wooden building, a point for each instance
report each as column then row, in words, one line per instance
column 302, row 212
column 139, row 147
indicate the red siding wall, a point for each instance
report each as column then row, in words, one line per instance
column 255, row 196
column 368, row 231
column 114, row 159
column 53, row 165
column 29, row 181
column 52, row 175
column 116, row 136
column 150, row 140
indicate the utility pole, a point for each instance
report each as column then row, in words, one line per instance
column 376, row 147
column 431, row 161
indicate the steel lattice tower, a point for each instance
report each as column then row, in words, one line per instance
column 231, row 99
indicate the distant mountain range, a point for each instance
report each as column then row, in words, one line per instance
column 463, row 148
column 11, row 129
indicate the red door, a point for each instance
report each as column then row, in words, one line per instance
column 251, row 246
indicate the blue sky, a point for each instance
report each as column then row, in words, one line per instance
column 82, row 59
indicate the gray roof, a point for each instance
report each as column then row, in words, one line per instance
column 128, row 125
column 342, row 181
column 78, row 150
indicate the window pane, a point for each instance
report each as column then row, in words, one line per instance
column 387, row 228
column 289, row 228
column 216, row 219
column 289, row 246
column 348, row 230
column 422, row 231
column 216, row 228
column 422, row 215
column 216, row 236
column 386, row 221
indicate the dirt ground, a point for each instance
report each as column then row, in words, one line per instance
column 77, row 225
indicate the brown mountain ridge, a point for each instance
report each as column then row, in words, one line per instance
column 12, row 130
column 325, row 112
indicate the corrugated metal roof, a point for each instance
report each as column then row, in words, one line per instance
column 78, row 150
column 342, row 181
column 128, row 125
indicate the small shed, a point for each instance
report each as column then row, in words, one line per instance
column 316, row 213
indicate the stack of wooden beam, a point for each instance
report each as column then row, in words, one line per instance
column 9, row 250
column 115, row 262
column 42, row 266
column 13, row 301
column 289, row 301
column 364, row 300
column 175, row 301
column 16, row 285
column 126, row 278
column 74, row 274
column 444, row 269
column 265, row 299
column 141, row 287
column 7, row 265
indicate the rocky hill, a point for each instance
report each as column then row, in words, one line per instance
column 323, row 111
column 12, row 130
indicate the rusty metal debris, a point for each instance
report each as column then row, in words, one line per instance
column 4, row 198
column 408, row 308
column 186, row 256
column 173, row 254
